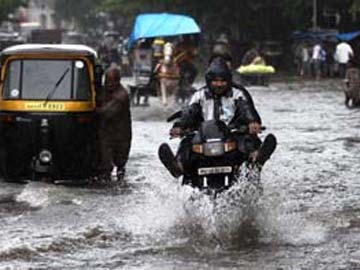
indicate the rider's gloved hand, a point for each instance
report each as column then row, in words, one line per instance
column 176, row 132
column 254, row 128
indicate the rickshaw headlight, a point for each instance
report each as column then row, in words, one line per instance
column 45, row 156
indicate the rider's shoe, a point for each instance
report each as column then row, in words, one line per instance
column 120, row 173
column 168, row 159
column 266, row 149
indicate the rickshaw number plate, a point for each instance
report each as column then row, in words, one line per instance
column 215, row 170
column 47, row 106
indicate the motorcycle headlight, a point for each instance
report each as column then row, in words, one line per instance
column 214, row 149
column 45, row 156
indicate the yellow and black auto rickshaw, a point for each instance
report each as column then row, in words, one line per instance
column 47, row 112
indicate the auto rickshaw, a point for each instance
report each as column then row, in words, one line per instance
column 157, row 29
column 47, row 112
column 142, row 72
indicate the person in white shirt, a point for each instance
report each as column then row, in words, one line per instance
column 343, row 54
column 316, row 60
column 305, row 60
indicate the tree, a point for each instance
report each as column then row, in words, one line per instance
column 8, row 7
column 244, row 19
column 79, row 10
column 355, row 7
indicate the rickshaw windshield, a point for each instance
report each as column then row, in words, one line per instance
column 38, row 79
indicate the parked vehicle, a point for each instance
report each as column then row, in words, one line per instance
column 45, row 36
column 142, row 73
column 171, row 28
column 10, row 39
column 47, row 112
column 73, row 37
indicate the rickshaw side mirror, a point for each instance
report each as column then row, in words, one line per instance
column 98, row 74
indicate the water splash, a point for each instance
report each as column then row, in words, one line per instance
column 226, row 220
column 161, row 204
column 239, row 217
column 281, row 223
column 35, row 194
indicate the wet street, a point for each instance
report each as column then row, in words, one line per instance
column 307, row 217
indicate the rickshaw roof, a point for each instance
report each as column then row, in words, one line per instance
column 153, row 25
column 70, row 49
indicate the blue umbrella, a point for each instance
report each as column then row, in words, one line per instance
column 161, row 25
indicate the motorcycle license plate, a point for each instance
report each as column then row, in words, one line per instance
column 215, row 170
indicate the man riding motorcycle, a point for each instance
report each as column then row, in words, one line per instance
column 221, row 100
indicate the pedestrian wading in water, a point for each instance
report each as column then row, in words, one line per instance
column 352, row 84
column 115, row 125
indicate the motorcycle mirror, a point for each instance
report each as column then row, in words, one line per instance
column 174, row 116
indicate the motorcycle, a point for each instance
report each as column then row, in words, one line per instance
column 214, row 162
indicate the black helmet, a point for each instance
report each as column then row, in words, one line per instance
column 225, row 56
column 218, row 68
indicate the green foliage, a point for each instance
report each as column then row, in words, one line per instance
column 70, row 9
column 355, row 7
column 9, row 6
column 242, row 18
column 81, row 11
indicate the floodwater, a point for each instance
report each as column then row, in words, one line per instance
column 305, row 214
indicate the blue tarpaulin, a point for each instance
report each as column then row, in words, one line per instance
column 315, row 35
column 161, row 25
column 348, row 36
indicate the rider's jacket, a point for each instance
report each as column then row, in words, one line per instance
column 235, row 108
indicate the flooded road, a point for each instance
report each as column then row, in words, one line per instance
column 307, row 217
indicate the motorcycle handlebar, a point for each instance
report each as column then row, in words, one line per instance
column 174, row 116
column 242, row 129
column 183, row 134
